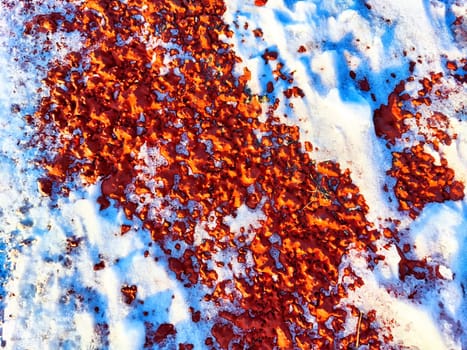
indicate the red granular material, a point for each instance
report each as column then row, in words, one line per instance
column 129, row 293
column 260, row 2
column 160, row 335
column 389, row 120
column 419, row 180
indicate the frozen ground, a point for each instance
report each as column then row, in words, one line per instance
column 54, row 297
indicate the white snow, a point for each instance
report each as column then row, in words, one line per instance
column 244, row 218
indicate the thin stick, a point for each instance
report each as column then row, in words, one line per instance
column 357, row 343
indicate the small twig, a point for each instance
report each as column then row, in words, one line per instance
column 315, row 195
column 357, row 343
column 306, row 206
column 319, row 190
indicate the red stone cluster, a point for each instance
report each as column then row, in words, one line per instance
column 164, row 332
column 129, row 293
column 419, row 180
